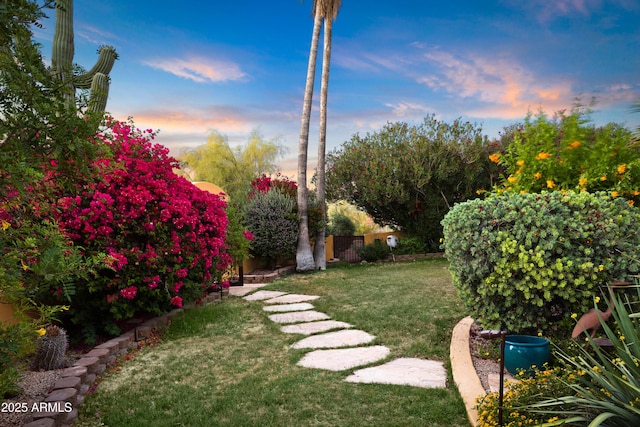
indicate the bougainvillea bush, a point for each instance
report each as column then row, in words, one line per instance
column 525, row 262
column 164, row 237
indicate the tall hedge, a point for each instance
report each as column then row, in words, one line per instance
column 523, row 262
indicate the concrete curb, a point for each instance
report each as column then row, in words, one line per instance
column 464, row 373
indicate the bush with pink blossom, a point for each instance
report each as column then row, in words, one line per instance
column 163, row 236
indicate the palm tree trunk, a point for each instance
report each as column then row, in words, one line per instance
column 319, row 249
column 304, row 257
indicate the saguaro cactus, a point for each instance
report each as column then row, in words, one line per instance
column 96, row 79
column 51, row 349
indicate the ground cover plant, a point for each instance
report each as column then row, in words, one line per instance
column 229, row 364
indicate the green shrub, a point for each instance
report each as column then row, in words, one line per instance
column 341, row 225
column 16, row 341
column 270, row 216
column 410, row 245
column 374, row 251
column 519, row 396
column 522, row 261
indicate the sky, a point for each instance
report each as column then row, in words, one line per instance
column 190, row 68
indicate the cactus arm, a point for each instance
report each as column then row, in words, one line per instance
column 99, row 93
column 104, row 64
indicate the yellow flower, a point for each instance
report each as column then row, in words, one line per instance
column 495, row 157
column 5, row 224
column 512, row 179
column 614, row 194
column 573, row 145
column 542, row 156
column 41, row 331
column 582, row 182
column 622, row 168
column 597, row 299
column 25, row 267
column 601, row 267
column 574, row 315
column 603, row 178
column 631, row 202
column 538, row 175
column 550, row 184
column 621, row 337
column 635, row 193
column 520, row 163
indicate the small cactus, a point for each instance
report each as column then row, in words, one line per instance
column 51, row 349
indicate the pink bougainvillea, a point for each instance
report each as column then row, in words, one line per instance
column 163, row 236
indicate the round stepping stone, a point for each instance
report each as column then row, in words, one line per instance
column 344, row 358
column 263, row 295
column 311, row 328
column 345, row 338
column 302, row 306
column 290, row 298
column 405, row 371
column 298, row 316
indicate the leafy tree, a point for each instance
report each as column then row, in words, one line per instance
column 233, row 169
column 39, row 132
column 409, row 176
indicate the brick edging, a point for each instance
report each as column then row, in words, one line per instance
column 61, row 404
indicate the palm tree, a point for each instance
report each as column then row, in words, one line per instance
column 329, row 12
column 304, row 257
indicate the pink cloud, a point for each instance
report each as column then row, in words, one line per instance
column 199, row 69
column 504, row 86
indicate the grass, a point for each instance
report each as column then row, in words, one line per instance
column 229, row 365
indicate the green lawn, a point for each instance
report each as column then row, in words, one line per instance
column 229, row 365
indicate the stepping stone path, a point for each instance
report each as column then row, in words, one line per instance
column 339, row 348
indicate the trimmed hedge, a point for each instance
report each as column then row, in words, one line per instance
column 523, row 261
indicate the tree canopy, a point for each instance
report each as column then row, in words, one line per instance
column 232, row 168
column 409, row 176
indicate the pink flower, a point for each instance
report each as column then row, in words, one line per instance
column 177, row 286
column 129, row 293
column 248, row 235
column 177, row 301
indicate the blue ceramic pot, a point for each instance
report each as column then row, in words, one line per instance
column 524, row 352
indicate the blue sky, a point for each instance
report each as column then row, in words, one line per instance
column 237, row 66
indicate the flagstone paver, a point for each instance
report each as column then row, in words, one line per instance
column 290, row 298
column 247, row 288
column 404, row 371
column 344, row 338
column 263, row 295
column 310, row 328
column 301, row 306
column 343, row 358
column 298, row 316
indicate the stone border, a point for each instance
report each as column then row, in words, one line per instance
column 268, row 278
column 70, row 389
column 464, row 373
